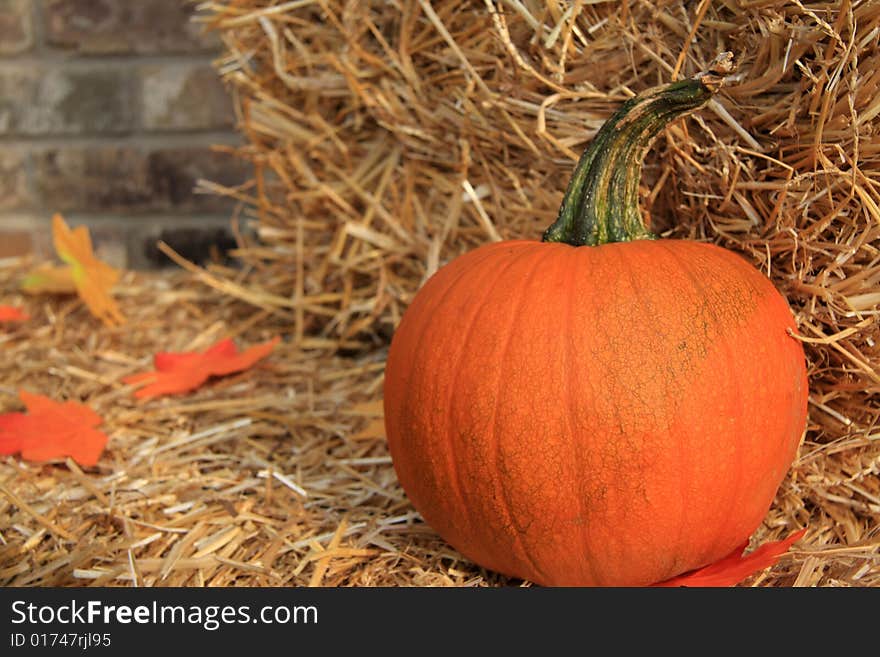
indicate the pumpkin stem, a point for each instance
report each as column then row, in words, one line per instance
column 601, row 204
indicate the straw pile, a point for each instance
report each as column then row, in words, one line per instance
column 387, row 138
column 257, row 479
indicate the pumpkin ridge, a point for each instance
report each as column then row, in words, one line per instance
column 577, row 445
column 448, row 437
column 648, row 310
column 738, row 466
column 419, row 329
column 493, row 422
column 681, row 547
column 701, row 294
column 420, row 344
column 487, row 252
column 724, row 340
column 614, row 538
column 683, row 466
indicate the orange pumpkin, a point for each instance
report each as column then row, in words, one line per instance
column 598, row 408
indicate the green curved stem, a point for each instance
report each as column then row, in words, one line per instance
column 601, row 204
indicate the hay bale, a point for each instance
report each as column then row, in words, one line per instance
column 390, row 138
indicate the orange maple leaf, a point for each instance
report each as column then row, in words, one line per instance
column 48, row 279
column 84, row 274
column 93, row 278
column 12, row 314
column 185, row 371
column 735, row 567
column 51, row 430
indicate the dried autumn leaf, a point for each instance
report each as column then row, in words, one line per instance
column 12, row 314
column 734, row 568
column 85, row 274
column 47, row 279
column 184, row 371
column 52, row 430
column 93, row 278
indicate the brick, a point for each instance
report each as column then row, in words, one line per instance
column 92, row 178
column 116, row 178
column 189, row 97
column 13, row 179
column 14, row 243
column 173, row 174
column 22, row 233
column 16, row 28
column 126, row 26
column 59, row 101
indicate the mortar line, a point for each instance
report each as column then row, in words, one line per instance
column 47, row 57
column 156, row 139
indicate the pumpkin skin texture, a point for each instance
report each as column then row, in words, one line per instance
column 612, row 415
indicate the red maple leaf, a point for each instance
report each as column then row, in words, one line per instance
column 12, row 314
column 185, row 371
column 52, row 430
column 735, row 567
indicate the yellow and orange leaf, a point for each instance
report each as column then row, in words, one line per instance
column 184, row 371
column 734, row 568
column 47, row 279
column 12, row 314
column 93, row 278
column 52, row 430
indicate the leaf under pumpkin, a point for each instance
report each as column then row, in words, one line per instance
column 178, row 372
column 735, row 567
column 12, row 314
column 52, row 429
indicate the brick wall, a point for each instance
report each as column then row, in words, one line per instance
column 110, row 112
